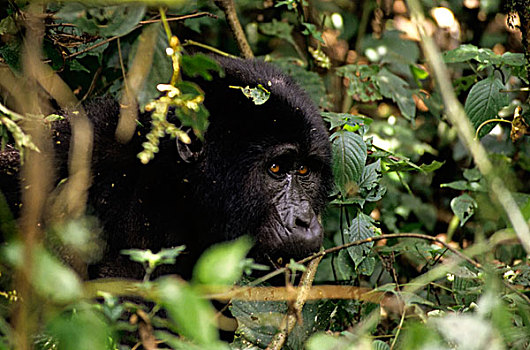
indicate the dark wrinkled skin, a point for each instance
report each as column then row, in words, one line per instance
column 227, row 191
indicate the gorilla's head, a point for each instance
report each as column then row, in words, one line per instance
column 266, row 167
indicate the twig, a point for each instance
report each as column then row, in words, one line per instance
column 368, row 240
column 181, row 18
column 229, row 9
column 140, row 24
column 290, row 320
column 207, row 47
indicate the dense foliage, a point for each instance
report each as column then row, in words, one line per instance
column 443, row 219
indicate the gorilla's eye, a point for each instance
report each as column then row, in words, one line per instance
column 275, row 168
column 303, row 170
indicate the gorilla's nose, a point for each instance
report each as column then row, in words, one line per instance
column 304, row 215
column 307, row 232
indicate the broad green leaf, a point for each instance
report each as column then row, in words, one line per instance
column 513, row 59
column 464, row 207
column 51, row 278
column 259, row 321
column 108, row 21
column 79, row 329
column 484, row 102
column 463, row 53
column 193, row 317
column 380, row 345
column 222, row 264
column 392, row 86
column 349, row 159
column 200, row 65
column 360, row 228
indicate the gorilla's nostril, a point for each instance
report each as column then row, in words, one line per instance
column 302, row 222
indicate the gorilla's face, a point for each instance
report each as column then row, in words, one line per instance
column 292, row 184
column 272, row 189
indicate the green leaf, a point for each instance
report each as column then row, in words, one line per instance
column 472, row 174
column 278, row 29
column 311, row 29
column 51, row 278
column 324, row 341
column 146, row 257
column 193, row 317
column 336, row 120
column 349, row 159
column 259, row 95
column 80, row 329
column 369, row 184
column 360, row 228
column 200, row 65
column 380, row 345
column 75, row 65
column 362, row 81
column 222, row 264
column 513, row 59
column 484, row 102
column 8, row 26
column 259, row 321
column 457, row 185
column 10, row 52
column 464, row 207
column 463, row 53
column 392, row 86
column 108, row 21
column 178, row 343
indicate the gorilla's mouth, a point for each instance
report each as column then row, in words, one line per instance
column 280, row 244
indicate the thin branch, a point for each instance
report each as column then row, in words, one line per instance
column 229, row 9
column 291, row 318
column 368, row 240
column 181, row 18
column 141, row 23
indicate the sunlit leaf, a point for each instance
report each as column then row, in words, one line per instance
column 193, row 317
column 222, row 263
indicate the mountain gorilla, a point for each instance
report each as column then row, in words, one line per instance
column 262, row 170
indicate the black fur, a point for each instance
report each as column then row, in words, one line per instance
column 226, row 191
